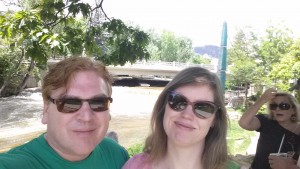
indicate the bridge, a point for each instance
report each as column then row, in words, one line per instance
column 153, row 73
column 154, row 68
column 141, row 72
column 150, row 68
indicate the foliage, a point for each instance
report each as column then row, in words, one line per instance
column 274, row 46
column 123, row 43
column 10, row 73
column 271, row 62
column 288, row 68
column 198, row 59
column 46, row 29
column 135, row 149
column 167, row 47
column 241, row 56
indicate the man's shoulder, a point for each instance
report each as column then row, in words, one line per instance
column 16, row 158
column 108, row 142
column 109, row 151
column 20, row 156
column 111, row 146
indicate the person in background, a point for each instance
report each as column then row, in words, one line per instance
column 188, row 125
column 279, row 130
column 77, row 95
column 113, row 135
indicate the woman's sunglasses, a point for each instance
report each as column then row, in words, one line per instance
column 70, row 105
column 202, row 109
column 282, row 106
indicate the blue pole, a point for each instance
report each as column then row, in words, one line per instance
column 223, row 58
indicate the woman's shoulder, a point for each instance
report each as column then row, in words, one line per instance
column 138, row 161
column 140, row 157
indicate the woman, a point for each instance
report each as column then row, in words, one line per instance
column 279, row 131
column 188, row 124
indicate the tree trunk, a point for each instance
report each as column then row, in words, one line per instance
column 2, row 87
column 246, row 94
column 26, row 77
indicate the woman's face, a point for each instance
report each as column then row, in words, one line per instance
column 281, row 108
column 184, row 128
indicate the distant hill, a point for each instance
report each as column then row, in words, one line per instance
column 210, row 50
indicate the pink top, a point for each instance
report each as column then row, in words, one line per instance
column 138, row 161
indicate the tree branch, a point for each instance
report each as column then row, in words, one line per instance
column 54, row 22
column 100, row 6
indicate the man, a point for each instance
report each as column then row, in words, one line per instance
column 77, row 95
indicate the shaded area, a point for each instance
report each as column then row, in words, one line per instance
column 134, row 81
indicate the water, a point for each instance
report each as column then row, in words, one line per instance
column 21, row 113
column 21, row 109
column 134, row 101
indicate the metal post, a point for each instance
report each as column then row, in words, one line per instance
column 223, row 58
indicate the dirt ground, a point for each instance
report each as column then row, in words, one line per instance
column 130, row 130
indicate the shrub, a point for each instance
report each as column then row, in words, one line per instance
column 135, row 149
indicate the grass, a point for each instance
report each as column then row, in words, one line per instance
column 238, row 139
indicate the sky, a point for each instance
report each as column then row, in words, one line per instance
column 202, row 20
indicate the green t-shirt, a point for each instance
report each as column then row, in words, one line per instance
column 37, row 154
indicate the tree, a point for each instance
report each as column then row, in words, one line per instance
column 198, row 59
column 241, row 57
column 272, row 62
column 288, row 67
column 274, row 46
column 167, row 47
column 52, row 28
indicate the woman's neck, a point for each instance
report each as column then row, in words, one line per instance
column 182, row 157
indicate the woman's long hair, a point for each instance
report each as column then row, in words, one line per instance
column 215, row 152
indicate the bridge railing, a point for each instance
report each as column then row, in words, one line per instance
column 169, row 65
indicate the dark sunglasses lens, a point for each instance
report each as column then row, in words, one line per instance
column 273, row 106
column 99, row 104
column 177, row 102
column 284, row 106
column 204, row 109
column 68, row 105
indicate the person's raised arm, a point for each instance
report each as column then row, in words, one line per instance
column 248, row 120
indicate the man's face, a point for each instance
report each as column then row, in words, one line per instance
column 74, row 135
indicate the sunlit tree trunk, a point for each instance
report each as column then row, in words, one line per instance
column 26, row 77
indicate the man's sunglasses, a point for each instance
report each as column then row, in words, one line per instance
column 202, row 109
column 70, row 105
column 282, row 106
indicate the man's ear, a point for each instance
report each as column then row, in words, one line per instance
column 45, row 112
